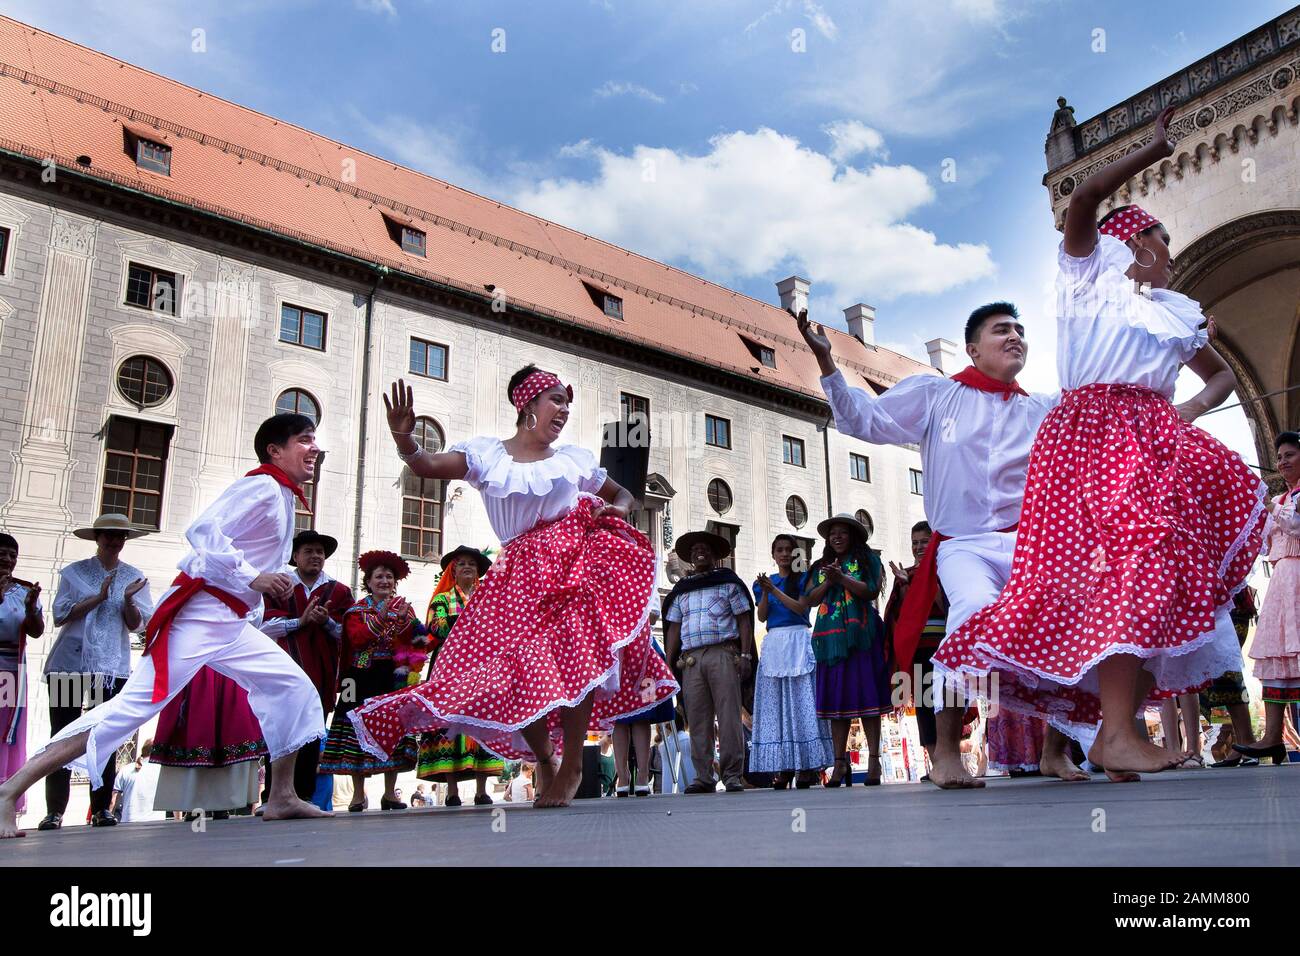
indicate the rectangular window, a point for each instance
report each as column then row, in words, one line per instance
column 613, row 306
column 412, row 241
column 766, row 355
column 422, row 502
column 4, row 250
column 154, row 157
column 429, row 359
column 299, row 326
column 730, row 532
column 859, row 467
column 717, row 432
column 151, row 289
column 634, row 408
column 918, row 486
column 792, row 450
column 135, row 465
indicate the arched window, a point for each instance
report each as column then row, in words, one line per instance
column 796, row 512
column 866, row 521
column 144, row 381
column 719, row 496
column 422, row 500
column 296, row 401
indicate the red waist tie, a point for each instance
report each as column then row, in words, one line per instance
column 160, row 624
column 921, row 592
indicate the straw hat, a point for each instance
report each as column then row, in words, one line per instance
column 109, row 522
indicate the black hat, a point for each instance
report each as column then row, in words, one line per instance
column 481, row 559
column 311, row 537
column 721, row 547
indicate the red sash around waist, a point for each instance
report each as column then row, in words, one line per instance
column 921, row 592
column 160, row 624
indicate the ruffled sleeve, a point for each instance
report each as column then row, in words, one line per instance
column 1175, row 321
column 493, row 472
column 1077, row 274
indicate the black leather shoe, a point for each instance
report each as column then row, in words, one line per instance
column 453, row 800
column 735, row 788
column 386, row 804
column 701, row 788
column 1275, row 753
column 103, row 819
column 482, row 800
column 53, row 822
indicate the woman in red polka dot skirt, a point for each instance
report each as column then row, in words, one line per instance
column 557, row 638
column 1137, row 527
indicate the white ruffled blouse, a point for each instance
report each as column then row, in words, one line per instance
column 520, row 494
column 1109, row 333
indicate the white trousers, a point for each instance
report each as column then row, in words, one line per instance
column 206, row 632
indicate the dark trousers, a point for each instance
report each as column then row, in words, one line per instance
column 926, row 728
column 304, row 773
column 68, row 695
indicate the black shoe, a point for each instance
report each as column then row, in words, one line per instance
column 735, row 788
column 701, row 788
column 453, row 800
column 358, row 807
column 221, row 814
column 386, row 804
column 804, row 780
column 103, row 819
column 1276, row 753
column 781, row 781
column 482, row 800
column 53, row 822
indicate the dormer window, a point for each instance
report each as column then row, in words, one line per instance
column 613, row 306
column 149, row 153
column 765, row 354
column 412, row 241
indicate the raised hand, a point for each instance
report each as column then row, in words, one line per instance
column 765, row 583
column 314, row 613
column 817, row 339
column 400, row 409
column 276, row 585
column 901, row 575
column 1163, row 139
column 106, row 585
column 33, row 595
column 135, row 587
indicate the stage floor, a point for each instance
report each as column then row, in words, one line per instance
column 1238, row 817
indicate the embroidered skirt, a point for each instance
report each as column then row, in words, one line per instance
column 563, row 612
column 1137, row 529
column 442, row 754
column 208, row 724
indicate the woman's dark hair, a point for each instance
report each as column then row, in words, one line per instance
column 8, row 541
column 366, row 575
column 278, row 430
column 983, row 314
column 790, row 586
column 922, row 526
column 1286, row 438
column 860, row 552
column 1119, row 209
column 515, row 381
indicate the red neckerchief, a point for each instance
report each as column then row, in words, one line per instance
column 276, row 472
column 974, row 378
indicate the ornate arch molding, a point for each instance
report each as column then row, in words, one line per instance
column 1201, row 258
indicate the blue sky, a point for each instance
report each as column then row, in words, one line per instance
column 764, row 159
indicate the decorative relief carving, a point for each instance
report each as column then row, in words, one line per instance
column 1117, row 120
column 1144, row 107
column 1092, row 134
column 72, row 234
column 1288, row 28
column 1201, row 75
column 1259, row 46
column 1231, row 61
column 1173, row 91
column 1282, row 78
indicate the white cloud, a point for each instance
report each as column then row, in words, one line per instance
column 760, row 205
column 850, row 138
column 612, row 89
column 814, row 12
column 434, row 150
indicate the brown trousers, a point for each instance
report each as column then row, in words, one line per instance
column 711, row 688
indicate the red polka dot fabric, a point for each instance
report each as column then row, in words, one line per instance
column 563, row 611
column 1136, row 526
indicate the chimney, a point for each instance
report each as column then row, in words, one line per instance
column 943, row 355
column 861, row 319
column 794, row 293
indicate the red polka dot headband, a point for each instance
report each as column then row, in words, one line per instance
column 534, row 385
column 1127, row 223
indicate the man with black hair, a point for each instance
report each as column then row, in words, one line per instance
column 237, row 546
column 975, row 431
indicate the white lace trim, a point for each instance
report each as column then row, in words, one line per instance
column 494, row 473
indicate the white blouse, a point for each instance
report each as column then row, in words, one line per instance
column 974, row 444
column 97, row 642
column 520, row 494
column 1109, row 333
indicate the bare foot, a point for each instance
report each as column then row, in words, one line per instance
column 1059, row 765
column 562, row 789
column 947, row 772
column 294, row 809
column 1132, row 755
column 1097, row 757
column 546, row 771
column 9, row 819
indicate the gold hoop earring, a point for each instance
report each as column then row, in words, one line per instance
column 533, row 426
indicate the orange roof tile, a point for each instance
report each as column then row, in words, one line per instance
column 63, row 100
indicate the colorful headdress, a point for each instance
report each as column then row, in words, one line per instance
column 1127, row 223
column 534, row 385
column 394, row 562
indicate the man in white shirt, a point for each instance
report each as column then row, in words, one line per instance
column 975, row 431
column 100, row 603
column 238, row 544
column 135, row 788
